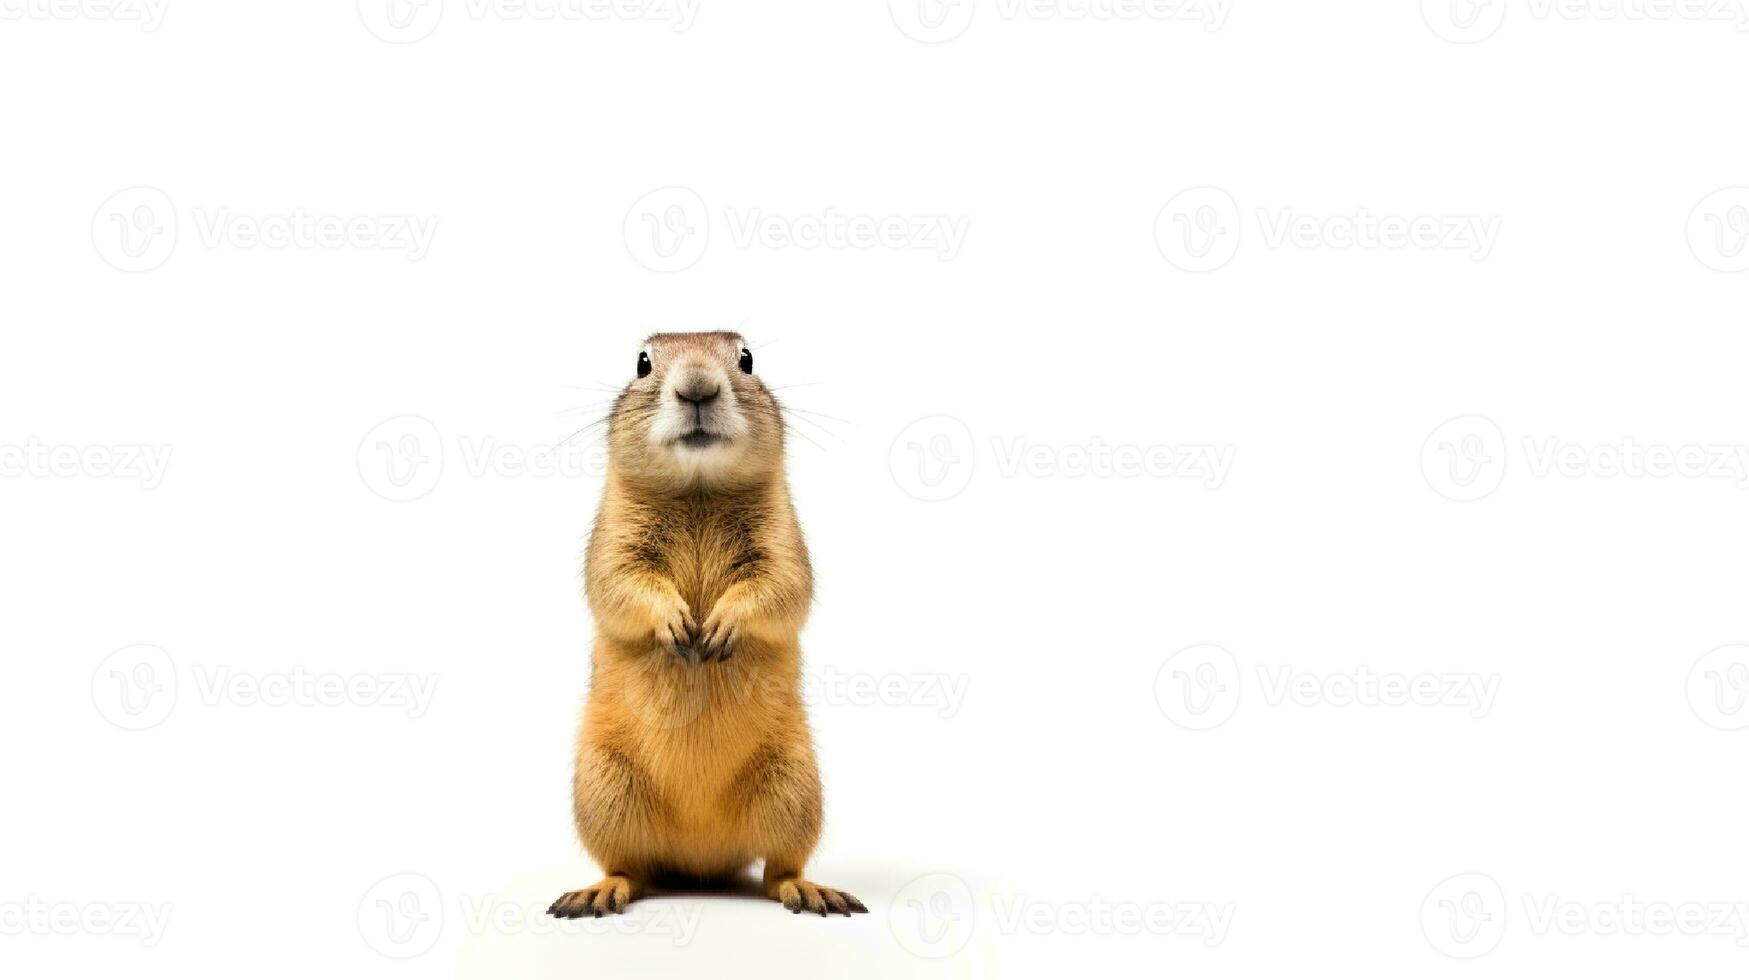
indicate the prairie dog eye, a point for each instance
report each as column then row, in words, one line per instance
column 746, row 361
column 643, row 364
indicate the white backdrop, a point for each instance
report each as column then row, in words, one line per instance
column 1276, row 482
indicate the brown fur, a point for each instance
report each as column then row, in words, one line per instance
column 694, row 757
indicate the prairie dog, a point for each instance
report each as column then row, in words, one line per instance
column 694, row 757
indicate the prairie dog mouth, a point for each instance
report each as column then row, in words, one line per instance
column 699, row 439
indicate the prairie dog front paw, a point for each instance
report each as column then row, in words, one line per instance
column 676, row 630
column 722, row 630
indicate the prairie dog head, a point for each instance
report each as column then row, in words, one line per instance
column 695, row 414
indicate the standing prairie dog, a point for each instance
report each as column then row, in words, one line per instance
column 694, row 757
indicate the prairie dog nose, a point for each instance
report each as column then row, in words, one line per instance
column 698, row 389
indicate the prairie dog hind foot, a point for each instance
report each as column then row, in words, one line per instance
column 800, row 895
column 609, row 896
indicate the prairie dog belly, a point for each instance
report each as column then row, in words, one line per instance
column 692, row 733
